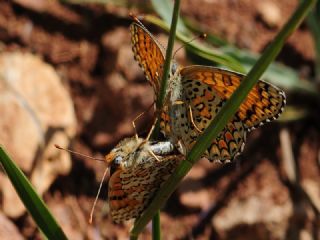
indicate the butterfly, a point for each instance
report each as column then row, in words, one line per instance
column 138, row 167
column 196, row 94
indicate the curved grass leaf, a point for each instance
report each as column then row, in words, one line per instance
column 293, row 113
column 277, row 73
column 228, row 55
column 199, row 48
column 34, row 204
column 165, row 9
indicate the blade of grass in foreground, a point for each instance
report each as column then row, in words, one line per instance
column 199, row 48
column 34, row 204
column 228, row 110
column 313, row 21
column 156, row 231
column 163, row 7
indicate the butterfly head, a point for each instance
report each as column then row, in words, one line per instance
column 174, row 67
column 121, row 155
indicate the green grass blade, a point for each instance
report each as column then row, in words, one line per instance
column 167, row 62
column 156, row 230
column 34, row 204
column 277, row 73
column 228, row 55
column 313, row 21
column 211, row 38
column 198, row 48
column 164, row 8
column 227, row 111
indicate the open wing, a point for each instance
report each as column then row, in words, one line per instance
column 149, row 53
column 265, row 102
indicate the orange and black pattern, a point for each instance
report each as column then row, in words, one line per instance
column 135, row 180
column 149, row 54
column 264, row 102
column 131, row 190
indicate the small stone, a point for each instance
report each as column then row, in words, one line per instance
column 269, row 13
column 128, row 65
column 37, row 113
column 7, row 228
column 199, row 199
column 115, row 39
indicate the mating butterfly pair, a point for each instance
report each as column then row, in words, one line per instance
column 195, row 95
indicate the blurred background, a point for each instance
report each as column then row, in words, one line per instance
column 68, row 77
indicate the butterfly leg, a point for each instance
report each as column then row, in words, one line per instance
column 150, row 132
column 151, row 129
column 137, row 117
column 192, row 121
column 155, row 156
column 181, row 147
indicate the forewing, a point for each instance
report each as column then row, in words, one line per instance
column 149, row 54
column 264, row 103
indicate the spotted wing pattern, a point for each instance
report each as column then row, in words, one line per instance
column 136, row 174
column 131, row 190
column 149, row 54
column 265, row 102
column 192, row 115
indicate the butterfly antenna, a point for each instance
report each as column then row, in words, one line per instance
column 79, row 154
column 149, row 134
column 96, row 199
column 134, row 124
column 135, row 129
column 151, row 129
column 200, row 36
column 155, row 156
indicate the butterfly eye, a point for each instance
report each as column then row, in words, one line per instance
column 117, row 160
column 115, row 164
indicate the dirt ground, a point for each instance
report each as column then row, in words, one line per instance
column 89, row 47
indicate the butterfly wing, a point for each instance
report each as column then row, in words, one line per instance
column 183, row 121
column 131, row 190
column 265, row 102
column 149, row 54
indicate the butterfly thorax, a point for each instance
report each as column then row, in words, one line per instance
column 133, row 151
column 174, row 89
column 127, row 153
